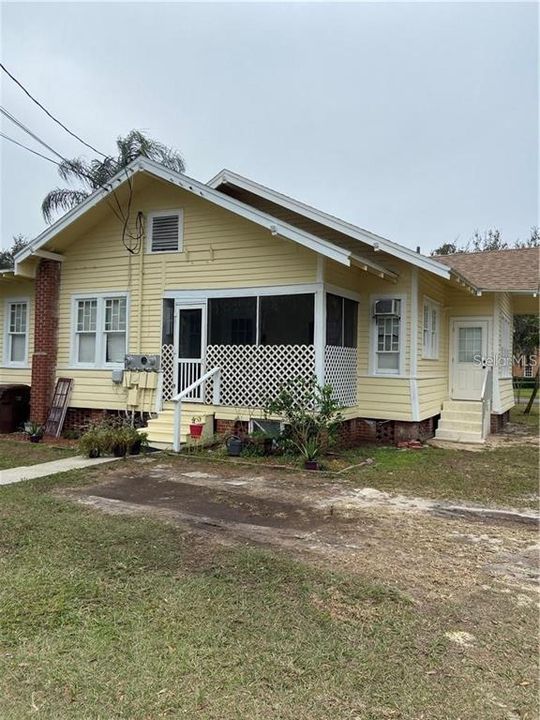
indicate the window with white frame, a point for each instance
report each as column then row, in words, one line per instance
column 387, row 336
column 506, row 347
column 16, row 347
column 100, row 333
column 431, row 329
column 528, row 371
column 165, row 231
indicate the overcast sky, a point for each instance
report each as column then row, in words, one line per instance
column 417, row 121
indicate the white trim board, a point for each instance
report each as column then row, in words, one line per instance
column 375, row 241
column 275, row 226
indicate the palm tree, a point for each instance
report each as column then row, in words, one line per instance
column 95, row 173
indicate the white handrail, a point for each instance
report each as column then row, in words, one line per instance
column 486, row 398
column 177, row 400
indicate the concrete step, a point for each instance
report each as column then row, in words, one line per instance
column 469, row 416
column 160, row 430
column 455, row 436
column 462, row 405
column 460, row 425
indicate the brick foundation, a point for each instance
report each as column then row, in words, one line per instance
column 358, row 431
column 498, row 422
column 47, row 288
column 384, row 432
column 78, row 419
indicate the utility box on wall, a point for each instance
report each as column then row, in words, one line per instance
column 148, row 363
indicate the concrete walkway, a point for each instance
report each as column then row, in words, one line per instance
column 31, row 472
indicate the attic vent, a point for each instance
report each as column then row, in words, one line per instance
column 166, row 232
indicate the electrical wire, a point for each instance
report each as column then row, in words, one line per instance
column 123, row 218
column 25, row 147
column 4, row 68
column 35, row 137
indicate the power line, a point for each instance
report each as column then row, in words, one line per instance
column 23, row 127
column 35, row 152
column 4, row 68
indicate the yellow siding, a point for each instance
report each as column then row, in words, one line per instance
column 13, row 288
column 506, row 394
column 221, row 250
column 381, row 397
column 432, row 374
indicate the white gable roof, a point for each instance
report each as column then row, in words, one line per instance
column 274, row 225
column 375, row 241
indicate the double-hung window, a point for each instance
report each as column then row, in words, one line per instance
column 16, row 340
column 431, row 329
column 387, row 324
column 100, row 336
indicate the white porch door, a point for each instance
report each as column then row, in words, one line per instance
column 468, row 355
column 190, row 345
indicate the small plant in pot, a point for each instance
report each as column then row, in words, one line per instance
column 196, row 426
column 34, row 431
column 310, row 450
column 91, row 443
column 120, row 440
column 139, row 440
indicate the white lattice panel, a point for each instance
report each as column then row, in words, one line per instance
column 252, row 374
column 340, row 371
column 167, row 372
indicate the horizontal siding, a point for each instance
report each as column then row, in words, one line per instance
column 432, row 374
column 384, row 398
column 220, row 250
column 506, row 394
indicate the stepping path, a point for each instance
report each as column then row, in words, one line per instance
column 31, row 472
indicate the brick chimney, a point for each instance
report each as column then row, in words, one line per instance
column 47, row 290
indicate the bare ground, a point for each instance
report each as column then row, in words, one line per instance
column 431, row 551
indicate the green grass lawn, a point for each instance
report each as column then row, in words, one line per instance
column 108, row 617
column 503, row 476
column 14, row 453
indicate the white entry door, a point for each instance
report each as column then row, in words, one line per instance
column 468, row 353
column 190, row 344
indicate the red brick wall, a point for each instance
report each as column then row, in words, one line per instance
column 499, row 421
column 47, row 288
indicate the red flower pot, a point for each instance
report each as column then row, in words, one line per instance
column 196, row 430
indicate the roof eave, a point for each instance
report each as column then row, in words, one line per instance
column 377, row 242
column 275, row 226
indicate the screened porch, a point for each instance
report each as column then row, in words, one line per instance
column 259, row 342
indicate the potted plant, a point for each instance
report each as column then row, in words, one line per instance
column 120, row 440
column 139, row 440
column 91, row 443
column 196, row 426
column 34, row 431
column 310, row 450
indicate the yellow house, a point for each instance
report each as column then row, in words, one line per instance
column 164, row 297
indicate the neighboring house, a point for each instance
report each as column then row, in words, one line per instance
column 233, row 276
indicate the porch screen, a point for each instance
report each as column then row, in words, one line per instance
column 232, row 321
column 341, row 321
column 286, row 320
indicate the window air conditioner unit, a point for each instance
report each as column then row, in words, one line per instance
column 387, row 307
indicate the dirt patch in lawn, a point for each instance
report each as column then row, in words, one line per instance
column 406, row 541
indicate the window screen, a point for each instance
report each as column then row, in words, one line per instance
column 286, row 320
column 232, row 321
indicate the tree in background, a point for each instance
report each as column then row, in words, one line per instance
column 93, row 174
column 7, row 256
column 488, row 241
column 526, row 335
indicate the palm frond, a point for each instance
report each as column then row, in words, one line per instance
column 61, row 199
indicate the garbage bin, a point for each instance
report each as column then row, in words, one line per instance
column 14, row 407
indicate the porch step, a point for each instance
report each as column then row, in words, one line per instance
column 461, row 421
column 160, row 430
column 456, row 436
